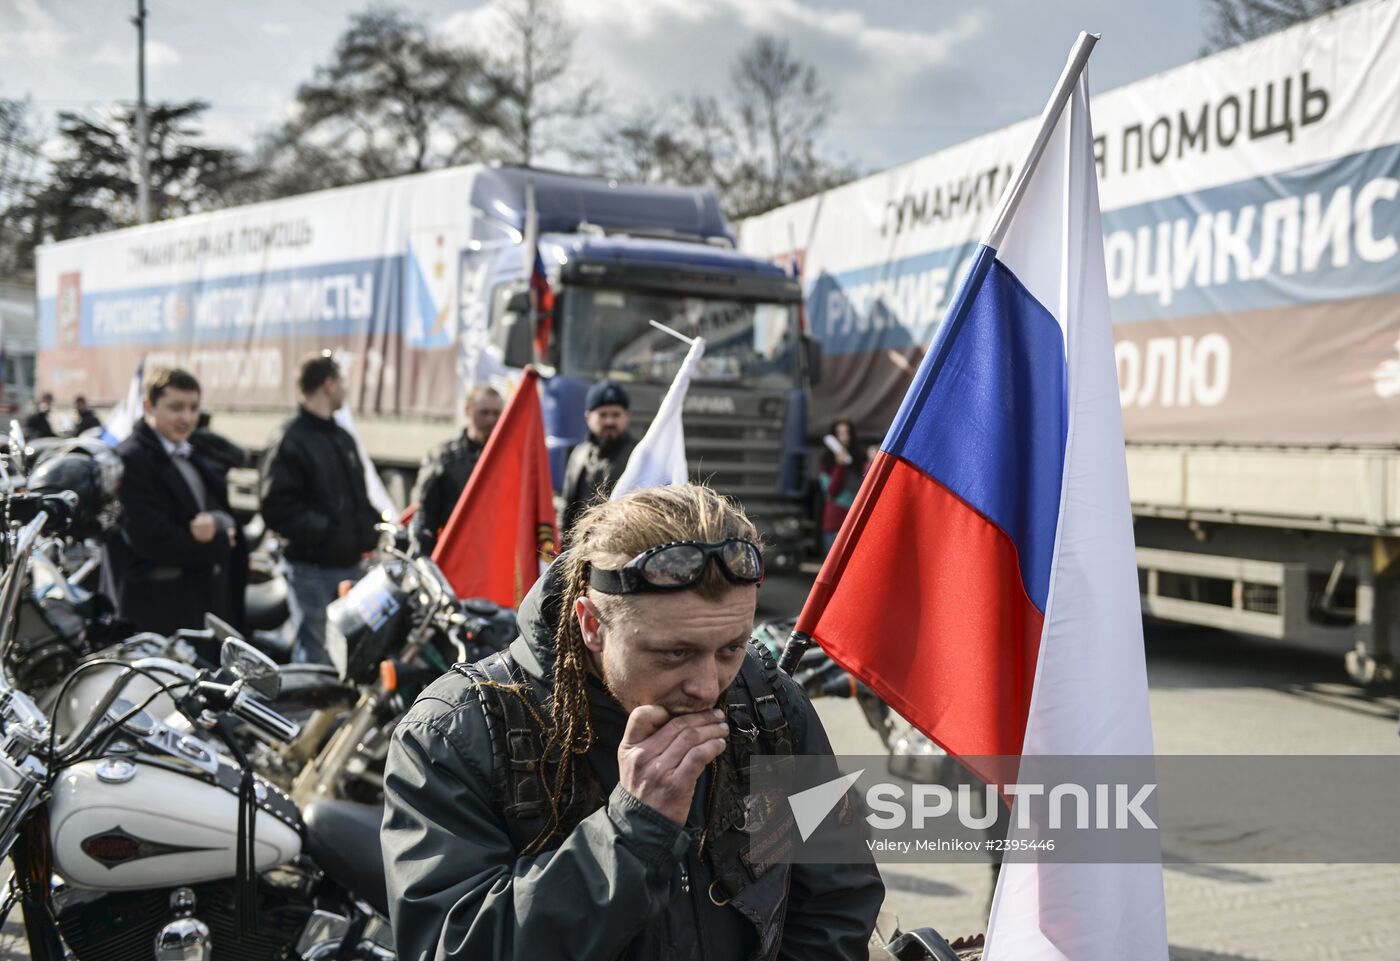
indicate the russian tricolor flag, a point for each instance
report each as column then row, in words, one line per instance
column 984, row 583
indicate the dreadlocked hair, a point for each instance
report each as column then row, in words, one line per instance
column 609, row 535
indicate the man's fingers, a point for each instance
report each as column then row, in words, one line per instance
column 642, row 723
column 661, row 739
column 685, row 740
column 698, row 757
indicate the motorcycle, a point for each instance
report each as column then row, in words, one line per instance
column 131, row 835
column 396, row 630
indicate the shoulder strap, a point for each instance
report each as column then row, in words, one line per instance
column 514, row 705
column 516, row 741
column 772, row 710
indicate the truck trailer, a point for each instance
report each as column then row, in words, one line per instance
column 425, row 285
column 1251, row 209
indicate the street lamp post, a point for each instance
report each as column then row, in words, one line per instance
column 143, row 189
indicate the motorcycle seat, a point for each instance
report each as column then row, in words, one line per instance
column 343, row 839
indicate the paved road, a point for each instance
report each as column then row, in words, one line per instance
column 1216, row 694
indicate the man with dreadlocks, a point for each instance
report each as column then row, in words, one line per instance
column 578, row 796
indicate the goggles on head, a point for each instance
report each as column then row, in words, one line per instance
column 681, row 564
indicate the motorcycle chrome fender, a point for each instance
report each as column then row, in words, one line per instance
column 118, row 823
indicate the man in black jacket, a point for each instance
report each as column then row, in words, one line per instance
column 87, row 420
column 313, row 497
column 573, row 798
column 596, row 464
column 447, row 468
column 180, row 553
column 37, row 424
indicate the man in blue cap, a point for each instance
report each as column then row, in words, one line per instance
column 597, row 463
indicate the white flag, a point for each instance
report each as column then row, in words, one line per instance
column 374, row 487
column 660, row 456
column 122, row 418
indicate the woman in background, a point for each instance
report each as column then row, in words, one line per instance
column 841, row 474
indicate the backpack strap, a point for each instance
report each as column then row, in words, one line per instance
column 514, row 706
column 516, row 742
column 758, row 725
column 770, row 701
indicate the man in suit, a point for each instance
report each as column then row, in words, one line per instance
column 181, row 554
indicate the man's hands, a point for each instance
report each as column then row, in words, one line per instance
column 202, row 527
column 661, row 757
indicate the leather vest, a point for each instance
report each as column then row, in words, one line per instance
column 747, row 875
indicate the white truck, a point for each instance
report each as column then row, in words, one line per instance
column 1251, row 210
column 421, row 285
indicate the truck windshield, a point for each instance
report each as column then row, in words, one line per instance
column 606, row 332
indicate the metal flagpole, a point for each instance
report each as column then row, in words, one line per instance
column 1011, row 198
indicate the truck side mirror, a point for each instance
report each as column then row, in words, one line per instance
column 518, row 348
column 812, row 359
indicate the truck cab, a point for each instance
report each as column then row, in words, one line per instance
column 610, row 258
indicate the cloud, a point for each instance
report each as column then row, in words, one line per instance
column 159, row 55
column 275, row 28
column 27, row 28
column 654, row 49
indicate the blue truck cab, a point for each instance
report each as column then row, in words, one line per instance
column 607, row 258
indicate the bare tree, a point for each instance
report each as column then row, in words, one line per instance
column 538, row 84
column 781, row 109
column 392, row 100
column 758, row 145
column 1233, row 22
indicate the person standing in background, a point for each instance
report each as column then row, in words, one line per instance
column 841, row 474
column 314, row 498
column 180, row 553
column 87, row 420
column 37, row 424
column 596, row 464
column 447, row 468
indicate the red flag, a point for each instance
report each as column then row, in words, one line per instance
column 503, row 525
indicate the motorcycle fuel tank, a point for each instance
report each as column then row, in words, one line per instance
column 121, row 822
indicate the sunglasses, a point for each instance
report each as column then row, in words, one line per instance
column 681, row 564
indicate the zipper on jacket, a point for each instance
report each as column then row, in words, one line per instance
column 685, row 879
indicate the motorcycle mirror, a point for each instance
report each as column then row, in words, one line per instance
column 252, row 666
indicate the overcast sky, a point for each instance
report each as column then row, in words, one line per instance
column 909, row 76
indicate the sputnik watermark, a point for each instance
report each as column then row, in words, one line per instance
column 1113, row 807
column 1178, row 809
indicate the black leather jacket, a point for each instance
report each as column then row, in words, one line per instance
column 626, row 884
column 441, row 479
column 313, row 493
column 592, row 471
